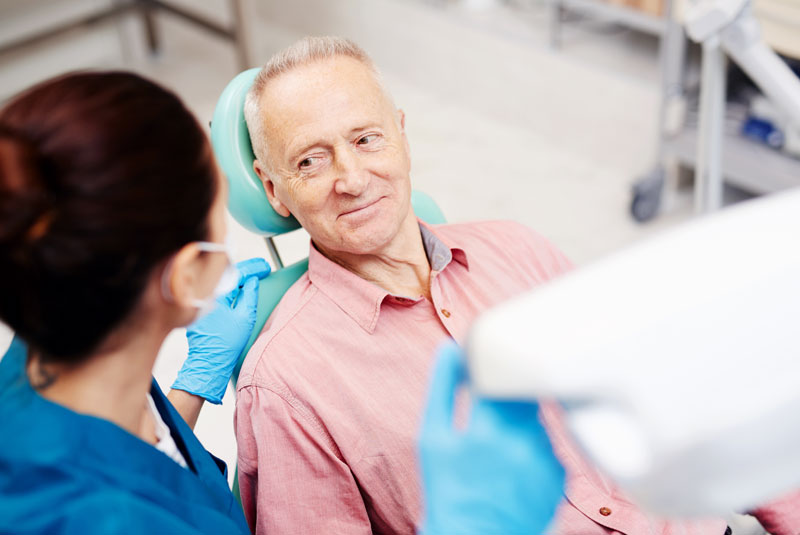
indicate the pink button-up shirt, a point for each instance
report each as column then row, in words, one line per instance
column 331, row 395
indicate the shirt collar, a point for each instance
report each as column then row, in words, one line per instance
column 361, row 299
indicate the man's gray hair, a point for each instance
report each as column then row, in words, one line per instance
column 306, row 50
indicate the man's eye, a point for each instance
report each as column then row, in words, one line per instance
column 307, row 162
column 366, row 139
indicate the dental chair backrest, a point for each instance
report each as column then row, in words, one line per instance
column 247, row 201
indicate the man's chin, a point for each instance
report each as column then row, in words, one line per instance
column 365, row 240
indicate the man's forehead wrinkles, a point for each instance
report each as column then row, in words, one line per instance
column 315, row 135
column 322, row 111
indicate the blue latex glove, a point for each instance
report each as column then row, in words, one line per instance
column 497, row 476
column 217, row 339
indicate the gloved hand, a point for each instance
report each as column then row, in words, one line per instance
column 497, row 476
column 217, row 339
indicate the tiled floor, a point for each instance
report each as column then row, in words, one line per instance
column 500, row 125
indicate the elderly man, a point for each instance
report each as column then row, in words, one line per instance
column 330, row 396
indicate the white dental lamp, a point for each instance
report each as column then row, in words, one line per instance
column 678, row 359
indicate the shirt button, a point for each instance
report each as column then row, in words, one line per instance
column 605, row 511
column 445, row 313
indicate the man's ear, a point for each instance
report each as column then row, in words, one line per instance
column 269, row 189
column 401, row 119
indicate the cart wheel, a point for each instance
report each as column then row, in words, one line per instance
column 647, row 196
column 645, row 205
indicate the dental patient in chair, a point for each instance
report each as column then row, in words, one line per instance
column 331, row 395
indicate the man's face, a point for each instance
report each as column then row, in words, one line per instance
column 338, row 155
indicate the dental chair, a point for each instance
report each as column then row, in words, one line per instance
column 247, row 203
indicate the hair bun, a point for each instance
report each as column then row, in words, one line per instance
column 25, row 202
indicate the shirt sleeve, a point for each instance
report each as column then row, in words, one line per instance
column 291, row 479
column 782, row 516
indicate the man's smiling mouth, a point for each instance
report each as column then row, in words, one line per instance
column 359, row 208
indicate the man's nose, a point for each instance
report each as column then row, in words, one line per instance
column 352, row 176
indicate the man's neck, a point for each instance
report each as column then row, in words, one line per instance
column 110, row 384
column 401, row 268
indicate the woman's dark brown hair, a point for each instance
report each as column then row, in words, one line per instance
column 102, row 177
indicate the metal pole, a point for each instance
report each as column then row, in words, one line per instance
column 150, row 25
column 241, row 33
column 555, row 11
column 672, row 55
column 708, row 172
column 193, row 17
column 273, row 253
column 82, row 23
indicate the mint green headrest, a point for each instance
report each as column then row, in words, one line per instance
column 247, row 201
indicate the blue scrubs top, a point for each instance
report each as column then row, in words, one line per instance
column 62, row 472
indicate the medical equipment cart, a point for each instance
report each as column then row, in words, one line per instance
column 715, row 155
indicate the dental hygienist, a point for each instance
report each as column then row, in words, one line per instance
column 112, row 233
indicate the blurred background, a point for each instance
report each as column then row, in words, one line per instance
column 548, row 112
